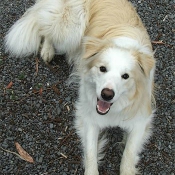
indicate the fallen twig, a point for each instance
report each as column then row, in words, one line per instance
column 63, row 155
column 68, row 109
column 57, row 120
column 12, row 153
column 74, row 162
column 37, row 61
column 158, row 42
column 66, row 138
column 75, row 172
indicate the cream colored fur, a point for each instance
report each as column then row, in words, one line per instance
column 119, row 19
column 110, row 49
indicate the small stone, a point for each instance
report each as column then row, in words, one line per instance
column 40, row 159
column 45, row 117
column 9, row 138
column 19, row 129
column 51, row 125
column 4, row 145
column 68, row 98
column 58, row 110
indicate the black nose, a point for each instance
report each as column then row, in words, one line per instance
column 107, row 94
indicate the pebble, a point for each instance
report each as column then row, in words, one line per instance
column 10, row 138
column 51, row 125
column 4, row 145
column 67, row 99
column 40, row 159
column 58, row 110
column 19, row 129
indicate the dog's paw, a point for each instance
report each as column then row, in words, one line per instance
column 129, row 171
column 91, row 173
column 47, row 53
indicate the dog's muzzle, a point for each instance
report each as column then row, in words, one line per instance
column 103, row 106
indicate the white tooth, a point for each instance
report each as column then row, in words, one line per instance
column 102, row 111
column 107, row 110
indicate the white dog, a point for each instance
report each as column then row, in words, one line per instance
column 113, row 57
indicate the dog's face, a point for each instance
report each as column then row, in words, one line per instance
column 115, row 73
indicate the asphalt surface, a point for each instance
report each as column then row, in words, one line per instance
column 37, row 109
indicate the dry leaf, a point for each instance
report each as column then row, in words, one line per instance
column 23, row 153
column 41, row 91
column 9, row 85
column 34, row 91
column 56, row 90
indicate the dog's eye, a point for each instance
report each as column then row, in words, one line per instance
column 103, row 69
column 125, row 76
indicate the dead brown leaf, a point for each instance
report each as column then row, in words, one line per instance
column 9, row 85
column 34, row 91
column 41, row 91
column 56, row 90
column 23, row 153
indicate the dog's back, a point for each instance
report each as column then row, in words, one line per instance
column 118, row 19
column 63, row 24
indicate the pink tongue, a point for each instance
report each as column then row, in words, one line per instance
column 103, row 106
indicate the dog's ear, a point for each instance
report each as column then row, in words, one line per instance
column 92, row 46
column 145, row 62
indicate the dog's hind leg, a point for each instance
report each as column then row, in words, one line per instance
column 47, row 51
column 63, row 23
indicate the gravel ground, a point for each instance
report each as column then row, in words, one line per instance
column 36, row 111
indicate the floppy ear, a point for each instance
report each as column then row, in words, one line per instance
column 146, row 62
column 92, row 46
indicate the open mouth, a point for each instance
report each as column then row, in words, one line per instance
column 103, row 107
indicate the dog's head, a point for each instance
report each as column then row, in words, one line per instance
column 115, row 72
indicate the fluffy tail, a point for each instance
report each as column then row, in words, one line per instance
column 23, row 38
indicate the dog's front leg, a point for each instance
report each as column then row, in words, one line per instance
column 91, row 133
column 134, row 143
